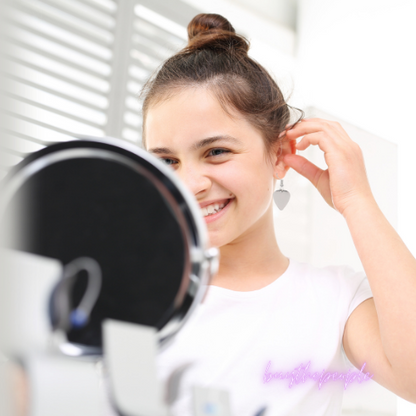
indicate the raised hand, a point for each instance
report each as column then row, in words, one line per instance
column 344, row 184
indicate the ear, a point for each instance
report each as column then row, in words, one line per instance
column 282, row 148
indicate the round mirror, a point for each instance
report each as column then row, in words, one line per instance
column 105, row 199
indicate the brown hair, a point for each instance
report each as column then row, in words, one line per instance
column 217, row 57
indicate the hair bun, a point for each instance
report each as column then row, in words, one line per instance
column 213, row 31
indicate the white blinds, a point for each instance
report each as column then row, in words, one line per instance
column 152, row 38
column 75, row 67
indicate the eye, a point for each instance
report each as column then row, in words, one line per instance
column 217, row 152
column 169, row 162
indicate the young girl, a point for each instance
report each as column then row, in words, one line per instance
column 273, row 331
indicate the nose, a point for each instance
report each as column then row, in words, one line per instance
column 194, row 178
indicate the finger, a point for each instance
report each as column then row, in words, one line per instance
column 322, row 139
column 304, row 167
column 336, row 130
column 308, row 125
column 322, row 120
column 318, row 177
column 335, row 125
column 316, row 125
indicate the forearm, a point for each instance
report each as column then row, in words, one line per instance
column 391, row 270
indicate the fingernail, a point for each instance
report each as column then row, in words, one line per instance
column 282, row 134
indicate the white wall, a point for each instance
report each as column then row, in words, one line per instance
column 272, row 45
column 356, row 60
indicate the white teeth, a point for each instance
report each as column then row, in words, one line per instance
column 212, row 209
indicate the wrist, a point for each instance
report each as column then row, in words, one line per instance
column 360, row 206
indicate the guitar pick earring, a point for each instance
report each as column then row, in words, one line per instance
column 281, row 196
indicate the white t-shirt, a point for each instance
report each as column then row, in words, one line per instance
column 299, row 318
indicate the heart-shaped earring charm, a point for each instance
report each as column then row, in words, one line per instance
column 281, row 196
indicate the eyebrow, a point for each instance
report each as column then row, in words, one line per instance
column 199, row 145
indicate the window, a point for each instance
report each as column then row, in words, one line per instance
column 74, row 68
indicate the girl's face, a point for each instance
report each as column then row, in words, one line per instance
column 220, row 159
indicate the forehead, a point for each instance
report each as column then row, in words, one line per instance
column 191, row 115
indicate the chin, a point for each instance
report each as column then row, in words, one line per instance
column 216, row 240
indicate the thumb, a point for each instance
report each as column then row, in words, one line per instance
column 303, row 167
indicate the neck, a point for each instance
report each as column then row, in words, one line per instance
column 253, row 260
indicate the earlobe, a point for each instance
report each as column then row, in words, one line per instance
column 280, row 173
column 280, row 170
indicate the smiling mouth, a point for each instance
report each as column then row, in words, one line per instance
column 214, row 208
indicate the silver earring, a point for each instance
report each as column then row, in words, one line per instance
column 281, row 196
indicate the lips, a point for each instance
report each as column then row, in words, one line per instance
column 214, row 216
column 214, row 201
column 212, row 209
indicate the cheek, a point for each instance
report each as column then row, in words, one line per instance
column 250, row 184
column 249, row 181
column 259, row 195
column 259, row 189
column 229, row 175
column 259, row 179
